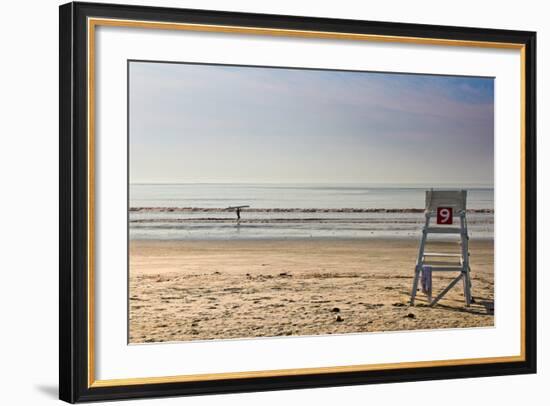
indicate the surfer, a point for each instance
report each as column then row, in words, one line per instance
column 237, row 211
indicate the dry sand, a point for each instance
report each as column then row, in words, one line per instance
column 196, row 290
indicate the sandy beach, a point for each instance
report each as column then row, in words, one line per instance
column 198, row 290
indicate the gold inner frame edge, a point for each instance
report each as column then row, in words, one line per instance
column 93, row 22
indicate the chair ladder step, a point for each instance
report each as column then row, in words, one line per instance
column 433, row 264
column 444, row 230
column 441, row 254
column 446, row 268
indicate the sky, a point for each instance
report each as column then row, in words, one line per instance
column 214, row 123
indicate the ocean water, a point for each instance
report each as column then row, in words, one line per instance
column 289, row 211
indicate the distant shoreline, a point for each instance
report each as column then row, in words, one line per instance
column 297, row 239
column 208, row 223
column 291, row 210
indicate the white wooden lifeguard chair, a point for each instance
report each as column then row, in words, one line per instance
column 443, row 206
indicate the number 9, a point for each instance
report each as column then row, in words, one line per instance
column 445, row 215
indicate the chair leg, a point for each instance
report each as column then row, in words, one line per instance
column 467, row 288
column 466, row 261
column 415, row 284
column 420, row 258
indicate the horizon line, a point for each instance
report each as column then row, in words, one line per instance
column 418, row 184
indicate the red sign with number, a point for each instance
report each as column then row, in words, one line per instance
column 444, row 215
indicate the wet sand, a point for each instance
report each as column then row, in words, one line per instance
column 197, row 290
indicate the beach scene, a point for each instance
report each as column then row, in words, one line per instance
column 268, row 202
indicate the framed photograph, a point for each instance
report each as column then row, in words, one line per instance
column 256, row 202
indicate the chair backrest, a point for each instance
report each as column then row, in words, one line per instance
column 445, row 198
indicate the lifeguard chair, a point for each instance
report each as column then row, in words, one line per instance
column 443, row 206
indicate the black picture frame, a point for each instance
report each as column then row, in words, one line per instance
column 74, row 384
